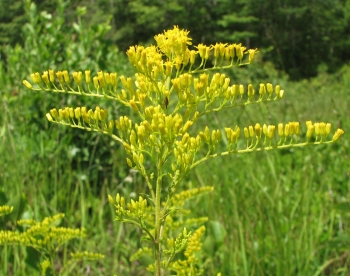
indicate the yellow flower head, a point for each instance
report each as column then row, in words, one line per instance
column 173, row 43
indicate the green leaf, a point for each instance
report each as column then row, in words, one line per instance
column 218, row 231
column 33, row 258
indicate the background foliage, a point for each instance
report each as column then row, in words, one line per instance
column 281, row 213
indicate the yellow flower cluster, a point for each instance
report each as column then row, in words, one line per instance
column 189, row 265
column 85, row 255
column 4, row 210
column 129, row 211
column 179, row 198
column 43, row 235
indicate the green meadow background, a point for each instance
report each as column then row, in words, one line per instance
column 277, row 213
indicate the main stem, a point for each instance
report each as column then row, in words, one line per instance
column 157, row 246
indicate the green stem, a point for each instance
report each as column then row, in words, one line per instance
column 158, row 219
column 195, row 164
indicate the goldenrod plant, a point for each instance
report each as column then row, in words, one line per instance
column 47, row 238
column 174, row 85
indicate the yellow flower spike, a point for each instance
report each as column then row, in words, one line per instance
column 77, row 113
column 193, row 143
column 231, row 51
column 269, row 89
column 60, row 112
column 155, row 72
column 114, row 79
column 187, row 125
column 111, row 200
column 51, row 75
column 278, row 90
column 65, row 113
column 192, row 56
column 271, row 131
column 250, row 91
column 317, row 129
column 207, row 133
column 322, row 128
column 104, row 115
column 226, row 84
column 310, row 131
column 27, row 84
column 71, row 112
column 257, row 129
column 133, row 105
column 281, row 94
column 238, row 51
column 238, row 132
column 265, row 129
column 213, row 135
column 87, row 76
column 49, row 118
column 251, row 131
column 242, row 51
column 222, row 49
column 83, row 110
column 241, row 90
column 96, row 83
column 246, row 133
column 262, row 90
column 286, row 130
column 142, row 158
column 37, row 78
column 291, row 129
column 59, row 75
column 216, row 50
column 66, row 76
column 131, row 53
column 123, row 95
column 207, row 53
column 33, row 77
column 280, row 128
column 228, row 132
column 339, row 132
column 90, row 114
column 201, row 50
column 135, row 157
column 45, row 78
column 122, row 202
column 101, row 81
column 107, row 78
column 251, row 53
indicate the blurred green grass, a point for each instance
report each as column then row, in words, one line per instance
column 272, row 213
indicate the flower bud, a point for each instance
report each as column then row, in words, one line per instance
column 66, row 76
column 257, row 130
column 27, row 84
column 52, row 75
column 251, row 131
column 280, row 130
column 87, row 76
column 339, row 132
column 49, row 118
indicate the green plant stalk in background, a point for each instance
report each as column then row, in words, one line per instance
column 172, row 88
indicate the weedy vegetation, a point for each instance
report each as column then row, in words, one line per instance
column 202, row 194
